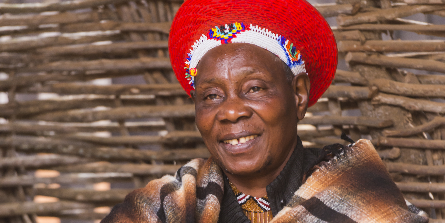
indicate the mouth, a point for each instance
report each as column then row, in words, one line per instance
column 241, row 140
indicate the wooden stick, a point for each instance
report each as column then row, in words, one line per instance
column 27, row 31
column 421, row 187
column 393, row 27
column 391, row 46
column 113, row 48
column 421, row 55
column 8, row 59
column 393, row 153
column 45, row 143
column 177, row 137
column 433, row 30
column 406, row 89
column 83, row 215
column 350, row 77
column 112, row 196
column 59, row 18
column 28, row 80
column 393, row 62
column 436, row 122
column 163, row 27
column 118, row 89
column 28, row 207
column 385, row 14
column 439, row 56
column 137, row 169
column 33, row 79
column 331, row 10
column 40, row 161
column 320, row 106
column 20, row 208
column 37, row 106
column 343, row 120
column 41, row 129
column 431, row 79
column 130, row 112
column 350, row 92
column 438, row 13
column 38, row 42
column 410, row 143
column 73, row 178
column 415, row 169
column 349, row 35
column 428, row 204
column 409, row 104
column 424, row 2
column 58, row 6
column 87, row 27
column 103, row 64
column 88, row 150
column 40, row 106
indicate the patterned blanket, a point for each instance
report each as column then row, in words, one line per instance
column 348, row 184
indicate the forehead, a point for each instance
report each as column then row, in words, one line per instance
column 238, row 51
column 240, row 56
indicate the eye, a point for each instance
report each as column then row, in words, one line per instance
column 212, row 97
column 255, row 89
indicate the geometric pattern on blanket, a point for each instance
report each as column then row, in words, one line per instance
column 353, row 185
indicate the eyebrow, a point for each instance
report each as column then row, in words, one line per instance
column 243, row 71
column 248, row 70
column 210, row 81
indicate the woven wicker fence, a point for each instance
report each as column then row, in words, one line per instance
column 91, row 108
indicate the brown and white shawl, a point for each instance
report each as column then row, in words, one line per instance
column 350, row 184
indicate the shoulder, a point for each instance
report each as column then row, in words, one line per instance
column 355, row 178
column 146, row 204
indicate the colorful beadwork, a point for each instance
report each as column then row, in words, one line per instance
column 239, row 33
column 291, row 50
column 256, row 209
column 227, row 32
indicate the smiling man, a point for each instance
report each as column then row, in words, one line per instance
column 252, row 69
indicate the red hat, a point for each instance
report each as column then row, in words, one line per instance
column 291, row 29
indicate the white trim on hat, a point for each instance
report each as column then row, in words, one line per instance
column 253, row 35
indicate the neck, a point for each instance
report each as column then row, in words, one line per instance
column 256, row 184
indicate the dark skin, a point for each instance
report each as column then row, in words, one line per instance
column 247, row 111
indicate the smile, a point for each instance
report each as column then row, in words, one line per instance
column 240, row 140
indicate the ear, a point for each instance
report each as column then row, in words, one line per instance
column 301, row 86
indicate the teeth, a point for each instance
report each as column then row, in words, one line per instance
column 240, row 140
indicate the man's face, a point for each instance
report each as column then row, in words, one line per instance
column 245, row 109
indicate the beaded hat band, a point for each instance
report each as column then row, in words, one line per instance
column 239, row 33
column 291, row 29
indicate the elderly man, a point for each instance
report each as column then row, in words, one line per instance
column 252, row 69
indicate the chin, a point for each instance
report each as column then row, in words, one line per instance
column 245, row 167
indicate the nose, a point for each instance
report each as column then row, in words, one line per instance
column 233, row 109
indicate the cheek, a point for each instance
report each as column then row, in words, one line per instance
column 275, row 112
column 204, row 121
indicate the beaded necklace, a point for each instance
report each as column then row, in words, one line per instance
column 257, row 209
